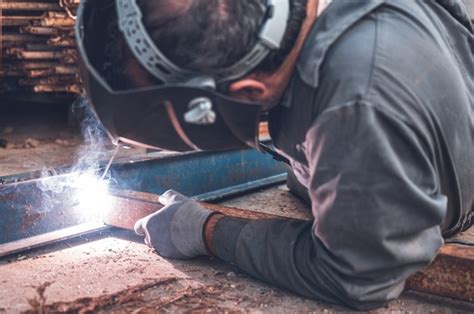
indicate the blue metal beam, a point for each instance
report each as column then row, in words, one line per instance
column 29, row 207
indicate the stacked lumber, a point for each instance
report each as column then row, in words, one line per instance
column 37, row 48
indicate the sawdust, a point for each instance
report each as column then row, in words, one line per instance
column 92, row 305
column 39, row 301
column 141, row 299
column 191, row 300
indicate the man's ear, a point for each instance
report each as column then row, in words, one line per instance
column 249, row 89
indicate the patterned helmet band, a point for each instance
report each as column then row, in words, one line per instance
column 157, row 64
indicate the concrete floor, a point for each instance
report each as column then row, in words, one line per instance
column 46, row 140
column 115, row 272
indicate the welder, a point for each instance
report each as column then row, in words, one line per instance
column 371, row 102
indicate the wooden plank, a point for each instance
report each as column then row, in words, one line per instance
column 29, row 6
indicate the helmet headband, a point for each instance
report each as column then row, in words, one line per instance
column 157, row 64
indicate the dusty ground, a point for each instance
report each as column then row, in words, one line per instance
column 45, row 140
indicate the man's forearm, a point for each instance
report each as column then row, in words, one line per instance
column 236, row 218
column 284, row 252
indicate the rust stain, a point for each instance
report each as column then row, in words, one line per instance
column 450, row 275
column 29, row 219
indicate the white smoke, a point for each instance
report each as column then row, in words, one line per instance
column 96, row 142
column 83, row 184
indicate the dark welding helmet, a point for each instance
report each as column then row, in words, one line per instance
column 184, row 113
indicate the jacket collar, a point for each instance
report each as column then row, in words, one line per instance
column 333, row 22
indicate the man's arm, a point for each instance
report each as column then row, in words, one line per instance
column 377, row 206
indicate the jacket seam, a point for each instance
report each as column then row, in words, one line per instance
column 374, row 56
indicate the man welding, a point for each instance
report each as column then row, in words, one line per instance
column 370, row 101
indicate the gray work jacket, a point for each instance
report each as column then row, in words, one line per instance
column 378, row 124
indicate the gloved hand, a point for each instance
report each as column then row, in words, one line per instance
column 177, row 230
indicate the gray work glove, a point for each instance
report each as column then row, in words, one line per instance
column 177, row 230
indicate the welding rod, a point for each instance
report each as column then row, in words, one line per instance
column 109, row 164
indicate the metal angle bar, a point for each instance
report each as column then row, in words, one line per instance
column 129, row 206
column 247, row 187
column 28, row 209
column 450, row 275
column 45, row 239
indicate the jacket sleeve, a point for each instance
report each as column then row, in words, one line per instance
column 377, row 212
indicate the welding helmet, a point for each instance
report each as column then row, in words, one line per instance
column 185, row 112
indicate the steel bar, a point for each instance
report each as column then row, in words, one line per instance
column 130, row 206
column 31, row 204
column 50, row 238
column 450, row 275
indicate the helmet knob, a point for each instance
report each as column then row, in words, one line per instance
column 200, row 112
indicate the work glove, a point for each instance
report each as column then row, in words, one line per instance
column 177, row 230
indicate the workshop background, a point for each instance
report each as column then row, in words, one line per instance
column 70, row 264
column 39, row 85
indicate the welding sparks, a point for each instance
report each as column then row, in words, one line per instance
column 92, row 196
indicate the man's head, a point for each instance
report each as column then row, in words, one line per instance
column 205, row 35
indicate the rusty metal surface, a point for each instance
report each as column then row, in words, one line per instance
column 37, row 40
column 450, row 275
column 42, row 240
column 32, row 205
column 130, row 206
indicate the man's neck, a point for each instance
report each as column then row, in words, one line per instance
column 280, row 79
